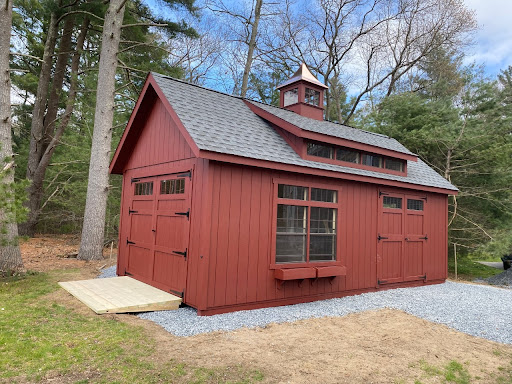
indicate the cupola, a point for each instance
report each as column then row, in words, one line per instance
column 303, row 94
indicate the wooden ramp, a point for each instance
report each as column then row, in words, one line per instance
column 120, row 295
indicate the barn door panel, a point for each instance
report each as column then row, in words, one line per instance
column 140, row 236
column 415, row 237
column 390, row 238
column 172, row 226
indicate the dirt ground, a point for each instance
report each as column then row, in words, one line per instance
column 385, row 346
column 49, row 252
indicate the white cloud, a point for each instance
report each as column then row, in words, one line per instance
column 494, row 38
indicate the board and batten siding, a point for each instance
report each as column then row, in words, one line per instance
column 159, row 141
column 240, row 218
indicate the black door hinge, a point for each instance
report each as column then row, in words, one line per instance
column 177, row 293
column 184, row 254
column 424, row 198
column 184, row 214
column 128, row 273
column 186, row 174
column 424, row 238
column 130, row 211
column 379, row 237
column 129, row 242
column 424, row 277
column 383, row 193
column 381, row 281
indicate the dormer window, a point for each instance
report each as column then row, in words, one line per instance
column 347, row 155
column 320, row 150
column 395, row 165
column 358, row 159
column 312, row 97
column 291, row 97
column 372, row 160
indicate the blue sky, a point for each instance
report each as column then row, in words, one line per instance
column 493, row 46
column 493, row 40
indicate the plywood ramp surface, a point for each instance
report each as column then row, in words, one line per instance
column 120, row 295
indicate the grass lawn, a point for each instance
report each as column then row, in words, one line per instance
column 42, row 339
column 468, row 269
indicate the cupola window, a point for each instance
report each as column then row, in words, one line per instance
column 312, row 97
column 291, row 97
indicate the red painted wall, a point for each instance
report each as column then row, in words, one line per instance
column 240, row 240
column 162, row 143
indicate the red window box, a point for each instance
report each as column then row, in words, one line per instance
column 295, row 273
column 331, row 271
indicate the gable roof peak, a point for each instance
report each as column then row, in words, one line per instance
column 303, row 73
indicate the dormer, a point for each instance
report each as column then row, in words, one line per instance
column 303, row 94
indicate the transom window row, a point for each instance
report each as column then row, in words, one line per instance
column 167, row 187
column 306, row 233
column 354, row 156
column 396, row 203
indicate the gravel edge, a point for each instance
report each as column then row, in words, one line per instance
column 477, row 310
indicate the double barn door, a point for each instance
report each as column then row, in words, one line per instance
column 401, row 238
column 158, row 233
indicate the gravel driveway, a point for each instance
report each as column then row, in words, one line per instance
column 477, row 310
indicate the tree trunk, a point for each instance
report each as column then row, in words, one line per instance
column 35, row 189
column 37, row 126
column 58, row 78
column 91, row 245
column 252, row 45
column 10, row 256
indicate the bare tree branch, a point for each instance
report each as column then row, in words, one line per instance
column 25, row 55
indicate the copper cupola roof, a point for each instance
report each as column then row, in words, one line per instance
column 304, row 74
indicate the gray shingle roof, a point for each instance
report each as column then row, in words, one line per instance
column 223, row 123
column 334, row 129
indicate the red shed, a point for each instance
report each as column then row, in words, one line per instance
column 234, row 204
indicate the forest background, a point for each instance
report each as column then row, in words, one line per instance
column 404, row 68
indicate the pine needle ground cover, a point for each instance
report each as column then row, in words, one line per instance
column 41, row 339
